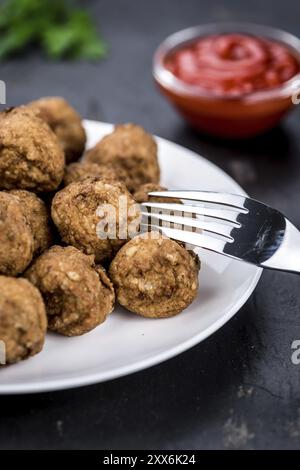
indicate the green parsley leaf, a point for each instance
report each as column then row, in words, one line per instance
column 55, row 25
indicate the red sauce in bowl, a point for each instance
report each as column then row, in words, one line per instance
column 229, row 84
column 233, row 64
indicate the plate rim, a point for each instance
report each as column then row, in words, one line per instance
column 69, row 383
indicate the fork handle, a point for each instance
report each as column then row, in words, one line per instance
column 287, row 257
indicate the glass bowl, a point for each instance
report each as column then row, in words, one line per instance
column 239, row 116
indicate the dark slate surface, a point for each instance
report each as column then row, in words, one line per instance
column 238, row 389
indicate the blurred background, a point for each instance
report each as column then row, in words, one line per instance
column 238, row 389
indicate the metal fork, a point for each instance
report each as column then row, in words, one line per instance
column 232, row 225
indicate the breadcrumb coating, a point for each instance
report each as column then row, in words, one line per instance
column 30, row 155
column 23, row 321
column 16, row 238
column 65, row 122
column 78, row 294
column 130, row 148
column 79, row 209
column 154, row 276
column 38, row 219
column 80, row 170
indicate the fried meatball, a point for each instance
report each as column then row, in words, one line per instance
column 154, row 276
column 77, row 171
column 23, row 320
column 37, row 217
column 95, row 216
column 16, row 239
column 141, row 194
column 65, row 123
column 131, row 148
column 78, row 295
column 30, row 155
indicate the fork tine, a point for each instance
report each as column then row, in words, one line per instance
column 197, row 239
column 230, row 200
column 217, row 229
column 218, row 214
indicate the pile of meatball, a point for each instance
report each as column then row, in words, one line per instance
column 56, row 271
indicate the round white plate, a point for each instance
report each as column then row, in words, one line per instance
column 126, row 343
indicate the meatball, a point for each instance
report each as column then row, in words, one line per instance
column 95, row 215
column 37, row 217
column 154, row 276
column 30, row 155
column 131, row 148
column 78, row 295
column 65, row 123
column 77, row 171
column 16, row 239
column 23, row 320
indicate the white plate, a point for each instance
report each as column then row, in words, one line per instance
column 126, row 343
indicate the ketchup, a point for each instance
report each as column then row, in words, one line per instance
column 233, row 64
